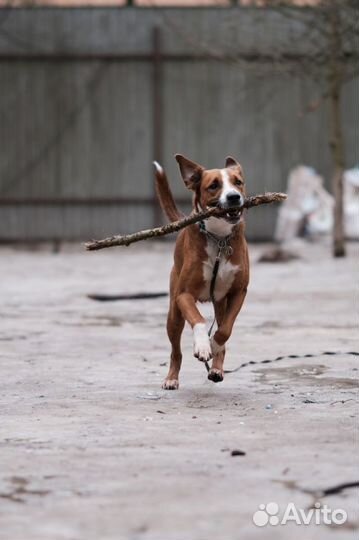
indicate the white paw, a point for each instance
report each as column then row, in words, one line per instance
column 201, row 343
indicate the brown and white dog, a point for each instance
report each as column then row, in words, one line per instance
column 194, row 258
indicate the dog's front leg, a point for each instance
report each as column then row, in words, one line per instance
column 216, row 373
column 201, row 343
column 224, row 331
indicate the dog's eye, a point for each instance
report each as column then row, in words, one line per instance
column 238, row 182
column 214, row 185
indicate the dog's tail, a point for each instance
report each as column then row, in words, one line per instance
column 164, row 194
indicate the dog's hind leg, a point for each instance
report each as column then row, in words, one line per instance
column 216, row 372
column 175, row 324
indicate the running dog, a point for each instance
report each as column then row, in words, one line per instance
column 210, row 262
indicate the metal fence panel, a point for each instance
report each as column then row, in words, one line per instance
column 86, row 103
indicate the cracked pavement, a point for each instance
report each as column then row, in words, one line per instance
column 93, row 448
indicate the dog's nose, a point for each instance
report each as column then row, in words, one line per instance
column 233, row 198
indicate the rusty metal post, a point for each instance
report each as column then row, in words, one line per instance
column 157, row 106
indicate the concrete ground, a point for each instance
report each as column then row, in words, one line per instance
column 91, row 448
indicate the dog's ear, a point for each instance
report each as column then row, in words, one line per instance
column 191, row 172
column 231, row 162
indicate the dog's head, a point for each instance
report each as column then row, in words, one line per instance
column 224, row 188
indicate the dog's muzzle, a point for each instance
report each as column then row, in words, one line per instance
column 234, row 206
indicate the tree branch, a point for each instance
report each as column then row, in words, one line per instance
column 175, row 226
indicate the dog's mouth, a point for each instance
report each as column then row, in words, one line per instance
column 233, row 215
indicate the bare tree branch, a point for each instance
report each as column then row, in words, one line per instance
column 175, row 226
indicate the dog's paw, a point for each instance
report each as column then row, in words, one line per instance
column 170, row 384
column 201, row 345
column 202, row 353
column 215, row 375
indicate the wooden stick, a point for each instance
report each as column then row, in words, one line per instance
column 126, row 240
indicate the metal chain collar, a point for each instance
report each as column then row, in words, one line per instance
column 223, row 244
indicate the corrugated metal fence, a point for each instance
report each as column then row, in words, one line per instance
column 90, row 96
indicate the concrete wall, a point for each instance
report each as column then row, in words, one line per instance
column 79, row 113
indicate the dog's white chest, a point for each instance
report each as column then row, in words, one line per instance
column 225, row 276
